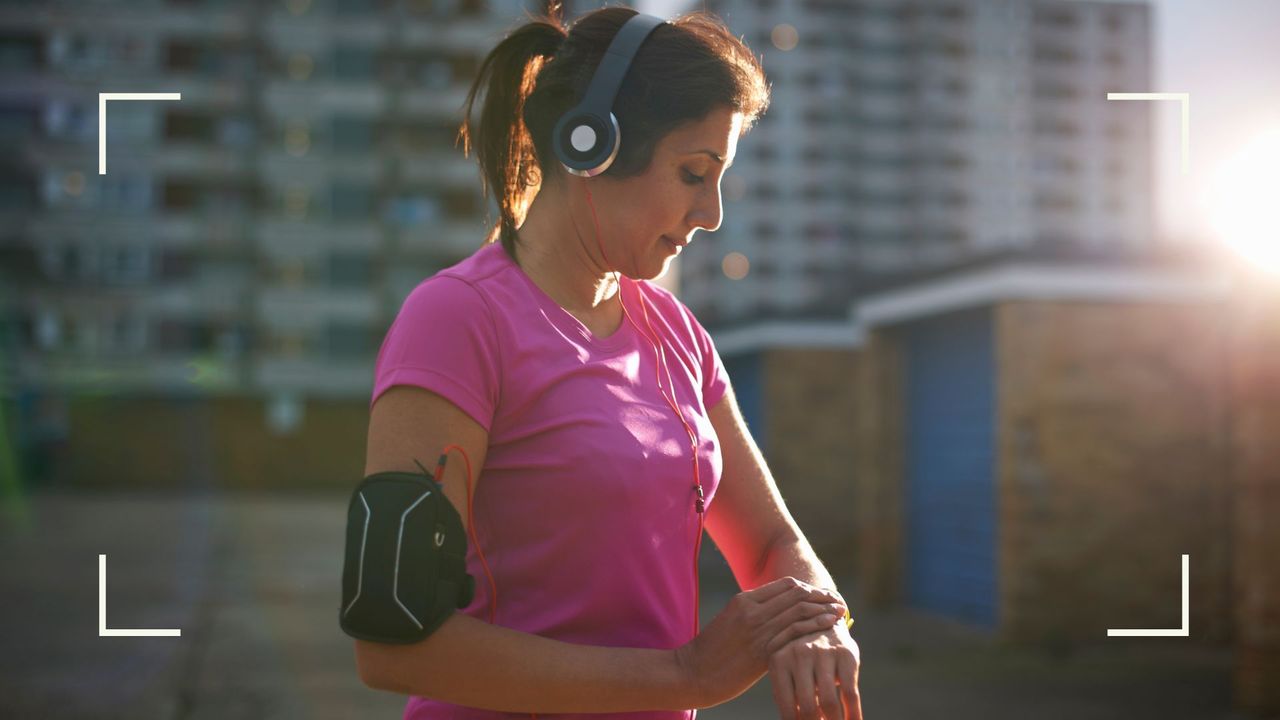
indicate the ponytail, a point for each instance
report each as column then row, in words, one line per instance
column 503, row 144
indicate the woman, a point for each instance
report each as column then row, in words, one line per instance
column 583, row 390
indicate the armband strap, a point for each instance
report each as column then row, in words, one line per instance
column 404, row 570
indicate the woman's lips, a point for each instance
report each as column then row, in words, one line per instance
column 673, row 243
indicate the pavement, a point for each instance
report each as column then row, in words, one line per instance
column 252, row 580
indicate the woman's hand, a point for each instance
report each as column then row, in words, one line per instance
column 733, row 652
column 812, row 666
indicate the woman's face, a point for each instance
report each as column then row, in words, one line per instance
column 678, row 194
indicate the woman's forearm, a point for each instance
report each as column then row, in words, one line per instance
column 470, row 662
column 792, row 555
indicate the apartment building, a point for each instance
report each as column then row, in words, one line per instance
column 255, row 236
column 907, row 134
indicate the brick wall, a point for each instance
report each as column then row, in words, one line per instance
column 210, row 443
column 1255, row 435
column 878, row 454
column 1112, row 465
column 809, row 398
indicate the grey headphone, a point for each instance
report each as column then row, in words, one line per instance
column 586, row 138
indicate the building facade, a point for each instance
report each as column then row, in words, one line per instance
column 913, row 134
column 255, row 236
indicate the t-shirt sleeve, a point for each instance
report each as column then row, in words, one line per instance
column 444, row 340
column 715, row 378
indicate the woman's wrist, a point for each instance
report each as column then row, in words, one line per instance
column 685, row 690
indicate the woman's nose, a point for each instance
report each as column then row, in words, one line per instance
column 708, row 214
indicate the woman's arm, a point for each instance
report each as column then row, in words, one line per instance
column 748, row 520
column 757, row 535
column 470, row 662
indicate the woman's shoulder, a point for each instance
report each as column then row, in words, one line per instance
column 459, row 288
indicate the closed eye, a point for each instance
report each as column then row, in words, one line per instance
column 692, row 179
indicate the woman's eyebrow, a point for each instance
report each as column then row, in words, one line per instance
column 716, row 157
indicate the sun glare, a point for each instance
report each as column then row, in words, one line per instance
column 1244, row 201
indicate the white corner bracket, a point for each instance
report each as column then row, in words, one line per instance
column 103, row 630
column 1183, row 631
column 102, row 118
column 1185, row 99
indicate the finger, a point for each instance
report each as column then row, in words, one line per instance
column 793, row 596
column 775, row 588
column 847, row 670
column 784, row 693
column 796, row 613
column 806, row 696
column 795, row 630
column 828, row 696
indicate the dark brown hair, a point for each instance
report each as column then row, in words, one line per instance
column 683, row 71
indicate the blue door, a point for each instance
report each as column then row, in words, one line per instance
column 744, row 373
column 950, row 466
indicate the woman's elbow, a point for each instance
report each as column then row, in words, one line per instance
column 372, row 666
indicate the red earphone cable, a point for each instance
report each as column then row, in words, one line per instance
column 661, row 355
column 471, row 525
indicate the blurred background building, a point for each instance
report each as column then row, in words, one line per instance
column 975, row 369
column 914, row 134
column 256, row 236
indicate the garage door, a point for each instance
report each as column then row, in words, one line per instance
column 950, row 466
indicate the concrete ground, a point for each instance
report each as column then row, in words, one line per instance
column 253, row 584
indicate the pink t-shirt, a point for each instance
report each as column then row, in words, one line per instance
column 585, row 505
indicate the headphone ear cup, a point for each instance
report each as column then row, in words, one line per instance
column 584, row 143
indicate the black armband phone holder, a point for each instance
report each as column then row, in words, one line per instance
column 404, row 571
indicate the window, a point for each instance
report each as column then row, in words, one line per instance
column 354, row 7
column 126, row 265
column 19, row 52
column 125, row 192
column 17, row 190
column 766, row 231
column 1056, row 19
column 174, row 264
column 187, row 126
column 465, row 67
column 766, row 191
column 183, row 336
column 1056, row 202
column 17, row 124
column 235, row 132
column 190, row 56
column 71, row 121
column 353, row 62
column 418, row 137
column 47, row 329
column 1054, row 91
column 18, row 262
column 180, row 195
column 1050, row 54
column 351, row 200
column 348, row 340
column 436, row 73
column 350, row 270
column 1055, row 126
column 126, row 333
column 412, row 210
column 461, row 204
column 352, row 133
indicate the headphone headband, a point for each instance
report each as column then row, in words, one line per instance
column 586, row 139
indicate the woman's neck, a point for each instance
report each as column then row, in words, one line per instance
column 558, row 260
